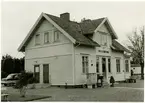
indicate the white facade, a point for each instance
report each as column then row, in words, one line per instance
column 65, row 60
column 57, row 54
column 136, row 69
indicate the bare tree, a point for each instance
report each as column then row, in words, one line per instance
column 137, row 48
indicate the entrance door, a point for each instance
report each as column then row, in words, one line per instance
column 37, row 73
column 45, row 73
column 104, row 67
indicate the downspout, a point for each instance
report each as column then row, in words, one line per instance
column 74, row 67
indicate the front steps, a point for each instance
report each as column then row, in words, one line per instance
column 105, row 83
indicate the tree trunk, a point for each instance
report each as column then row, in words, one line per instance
column 142, row 70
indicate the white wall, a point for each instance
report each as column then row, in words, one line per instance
column 137, row 70
column 57, row 55
column 97, row 36
column 46, row 26
column 79, row 52
column 47, row 51
column 60, row 69
column 122, row 75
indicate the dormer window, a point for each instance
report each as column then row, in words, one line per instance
column 37, row 39
column 103, row 39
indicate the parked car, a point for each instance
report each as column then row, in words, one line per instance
column 10, row 80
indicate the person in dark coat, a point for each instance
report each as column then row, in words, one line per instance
column 112, row 81
column 132, row 72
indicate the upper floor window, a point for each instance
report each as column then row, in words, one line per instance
column 46, row 37
column 109, row 65
column 37, row 39
column 85, row 64
column 103, row 39
column 97, row 64
column 56, row 36
column 126, row 65
column 118, row 65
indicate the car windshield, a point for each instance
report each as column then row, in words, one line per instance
column 10, row 76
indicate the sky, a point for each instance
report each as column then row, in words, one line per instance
column 17, row 17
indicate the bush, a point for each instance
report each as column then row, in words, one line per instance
column 31, row 80
column 25, row 79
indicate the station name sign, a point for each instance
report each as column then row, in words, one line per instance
column 103, row 51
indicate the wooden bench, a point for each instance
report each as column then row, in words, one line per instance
column 4, row 97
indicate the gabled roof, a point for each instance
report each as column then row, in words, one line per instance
column 89, row 26
column 70, row 29
column 116, row 46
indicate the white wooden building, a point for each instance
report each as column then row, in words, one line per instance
column 61, row 51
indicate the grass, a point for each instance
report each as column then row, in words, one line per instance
column 17, row 97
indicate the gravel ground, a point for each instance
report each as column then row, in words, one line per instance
column 129, row 92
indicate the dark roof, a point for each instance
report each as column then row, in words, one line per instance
column 116, row 46
column 89, row 26
column 74, row 29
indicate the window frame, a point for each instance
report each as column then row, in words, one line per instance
column 48, row 37
column 127, row 66
column 37, row 76
column 118, row 70
column 109, row 65
column 85, row 64
column 103, row 39
column 97, row 65
column 37, row 40
column 56, row 36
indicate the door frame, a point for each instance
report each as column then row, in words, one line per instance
column 37, row 65
column 48, row 72
column 105, row 62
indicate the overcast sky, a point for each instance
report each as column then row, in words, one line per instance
column 19, row 17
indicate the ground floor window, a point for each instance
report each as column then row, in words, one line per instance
column 118, row 65
column 109, row 65
column 97, row 64
column 85, row 64
column 37, row 73
column 126, row 65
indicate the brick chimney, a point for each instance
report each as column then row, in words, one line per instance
column 65, row 16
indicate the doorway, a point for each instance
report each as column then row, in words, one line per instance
column 45, row 73
column 37, row 73
column 104, row 67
